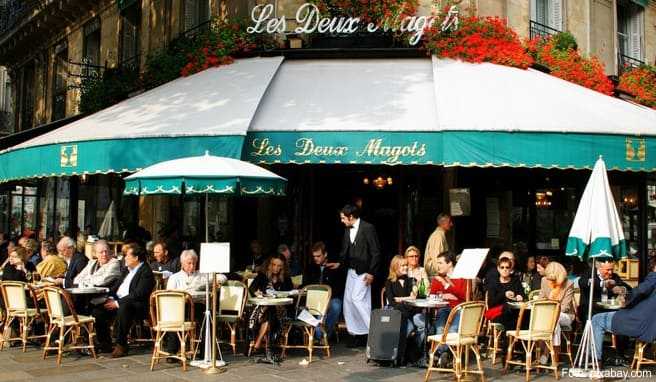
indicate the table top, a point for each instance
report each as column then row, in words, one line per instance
column 198, row 295
column 426, row 303
column 271, row 301
column 519, row 305
column 609, row 306
column 90, row 290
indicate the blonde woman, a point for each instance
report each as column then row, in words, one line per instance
column 52, row 265
column 398, row 287
column 415, row 271
column 556, row 287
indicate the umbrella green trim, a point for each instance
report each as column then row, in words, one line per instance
column 601, row 247
column 245, row 186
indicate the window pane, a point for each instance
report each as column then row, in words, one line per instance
column 62, row 214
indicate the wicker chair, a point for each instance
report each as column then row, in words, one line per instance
column 317, row 301
column 461, row 342
column 232, row 300
column 16, row 307
column 542, row 324
column 167, row 310
column 494, row 331
column 70, row 324
column 639, row 358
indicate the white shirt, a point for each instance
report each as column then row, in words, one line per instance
column 186, row 282
column 124, row 289
column 354, row 230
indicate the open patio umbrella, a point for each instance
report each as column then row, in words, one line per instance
column 206, row 174
column 596, row 233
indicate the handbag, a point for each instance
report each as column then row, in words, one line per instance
column 493, row 312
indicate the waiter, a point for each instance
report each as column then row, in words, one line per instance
column 360, row 255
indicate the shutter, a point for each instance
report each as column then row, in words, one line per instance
column 556, row 14
column 635, row 33
column 189, row 14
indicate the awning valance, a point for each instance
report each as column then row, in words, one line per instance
column 414, row 111
column 209, row 111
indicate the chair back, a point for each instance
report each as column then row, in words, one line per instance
column 318, row 298
column 54, row 297
column 544, row 316
column 532, row 294
column 232, row 298
column 169, row 307
column 13, row 293
column 471, row 318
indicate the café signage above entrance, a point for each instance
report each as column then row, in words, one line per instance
column 310, row 20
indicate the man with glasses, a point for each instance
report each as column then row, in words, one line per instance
column 318, row 273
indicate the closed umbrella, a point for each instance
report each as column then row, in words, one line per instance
column 596, row 233
column 108, row 227
column 206, row 174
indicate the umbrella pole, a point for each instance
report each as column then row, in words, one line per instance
column 585, row 362
column 207, row 230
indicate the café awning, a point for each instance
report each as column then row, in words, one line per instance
column 208, row 111
column 444, row 112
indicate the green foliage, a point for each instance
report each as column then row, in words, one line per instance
column 113, row 86
column 564, row 41
column 164, row 65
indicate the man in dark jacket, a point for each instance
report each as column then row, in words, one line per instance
column 604, row 279
column 75, row 261
column 318, row 273
column 128, row 301
column 360, row 256
column 635, row 319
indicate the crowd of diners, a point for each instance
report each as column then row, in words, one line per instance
column 504, row 278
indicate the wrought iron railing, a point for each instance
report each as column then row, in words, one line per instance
column 625, row 62
column 85, row 69
column 130, row 63
column 540, row 30
column 13, row 11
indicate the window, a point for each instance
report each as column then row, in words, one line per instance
column 23, row 210
column 60, row 82
column 546, row 17
column 130, row 30
column 196, row 14
column 26, row 115
column 630, row 33
column 91, row 48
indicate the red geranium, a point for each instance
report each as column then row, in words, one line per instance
column 641, row 84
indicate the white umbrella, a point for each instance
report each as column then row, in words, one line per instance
column 596, row 233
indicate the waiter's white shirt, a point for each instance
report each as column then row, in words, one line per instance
column 124, row 289
column 354, row 231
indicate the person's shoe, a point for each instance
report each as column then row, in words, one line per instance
column 444, row 360
column 172, row 360
column 353, row 342
column 617, row 362
column 119, row 351
column 100, row 348
column 362, row 341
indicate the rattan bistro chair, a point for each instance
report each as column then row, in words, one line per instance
column 232, row 300
column 494, row 331
column 70, row 324
column 461, row 342
column 317, row 301
column 639, row 357
column 167, row 309
column 16, row 308
column 541, row 327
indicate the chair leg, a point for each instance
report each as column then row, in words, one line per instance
column 326, row 344
column 60, row 346
column 23, row 333
column 479, row 364
column 51, row 328
column 431, row 358
column 529, row 360
column 90, row 333
column 554, row 359
column 183, row 350
column 233, row 340
column 155, row 351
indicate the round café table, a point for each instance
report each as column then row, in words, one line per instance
column 269, row 301
column 609, row 305
column 87, row 290
column 426, row 305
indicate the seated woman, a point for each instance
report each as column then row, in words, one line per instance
column 556, row 287
column 397, row 288
column 51, row 265
column 274, row 278
column 15, row 269
column 502, row 290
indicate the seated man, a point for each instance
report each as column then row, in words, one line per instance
column 101, row 272
column 318, row 273
column 604, row 278
column 128, row 301
column 188, row 280
column 635, row 319
column 75, row 262
column 163, row 260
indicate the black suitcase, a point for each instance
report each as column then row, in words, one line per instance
column 384, row 341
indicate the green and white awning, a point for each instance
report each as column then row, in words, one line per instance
column 444, row 112
column 208, row 111
column 205, row 174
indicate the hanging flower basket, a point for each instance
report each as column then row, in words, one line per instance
column 640, row 83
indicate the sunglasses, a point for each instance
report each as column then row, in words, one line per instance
column 504, row 267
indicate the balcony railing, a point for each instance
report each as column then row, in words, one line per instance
column 197, row 30
column 625, row 62
column 540, row 30
column 85, row 69
column 13, row 11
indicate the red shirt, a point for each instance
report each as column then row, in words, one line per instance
column 458, row 289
